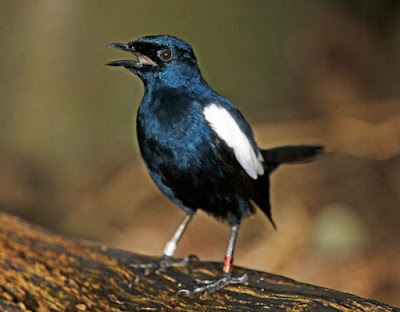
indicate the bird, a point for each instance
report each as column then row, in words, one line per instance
column 199, row 149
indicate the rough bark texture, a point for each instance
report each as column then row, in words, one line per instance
column 42, row 271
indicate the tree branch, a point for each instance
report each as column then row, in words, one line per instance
column 42, row 271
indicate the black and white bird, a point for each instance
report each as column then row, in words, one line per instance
column 198, row 148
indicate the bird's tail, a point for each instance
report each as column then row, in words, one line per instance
column 290, row 154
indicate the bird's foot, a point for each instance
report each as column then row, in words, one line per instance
column 159, row 266
column 210, row 286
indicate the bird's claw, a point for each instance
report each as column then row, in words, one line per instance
column 210, row 286
column 159, row 266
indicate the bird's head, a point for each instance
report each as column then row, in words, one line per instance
column 160, row 59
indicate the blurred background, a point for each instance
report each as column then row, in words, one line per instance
column 322, row 71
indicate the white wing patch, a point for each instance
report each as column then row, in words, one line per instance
column 225, row 126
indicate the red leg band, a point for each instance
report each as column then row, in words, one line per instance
column 228, row 264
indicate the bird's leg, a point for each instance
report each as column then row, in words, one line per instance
column 166, row 260
column 211, row 286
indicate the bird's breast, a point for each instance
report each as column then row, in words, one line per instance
column 172, row 131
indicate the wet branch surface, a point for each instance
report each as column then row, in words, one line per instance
column 43, row 271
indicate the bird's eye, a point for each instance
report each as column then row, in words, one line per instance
column 165, row 55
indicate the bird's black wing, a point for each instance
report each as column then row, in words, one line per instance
column 235, row 147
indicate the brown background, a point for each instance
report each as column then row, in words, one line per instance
column 301, row 72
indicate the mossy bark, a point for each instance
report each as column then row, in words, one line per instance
column 43, row 271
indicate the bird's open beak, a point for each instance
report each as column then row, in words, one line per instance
column 142, row 60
